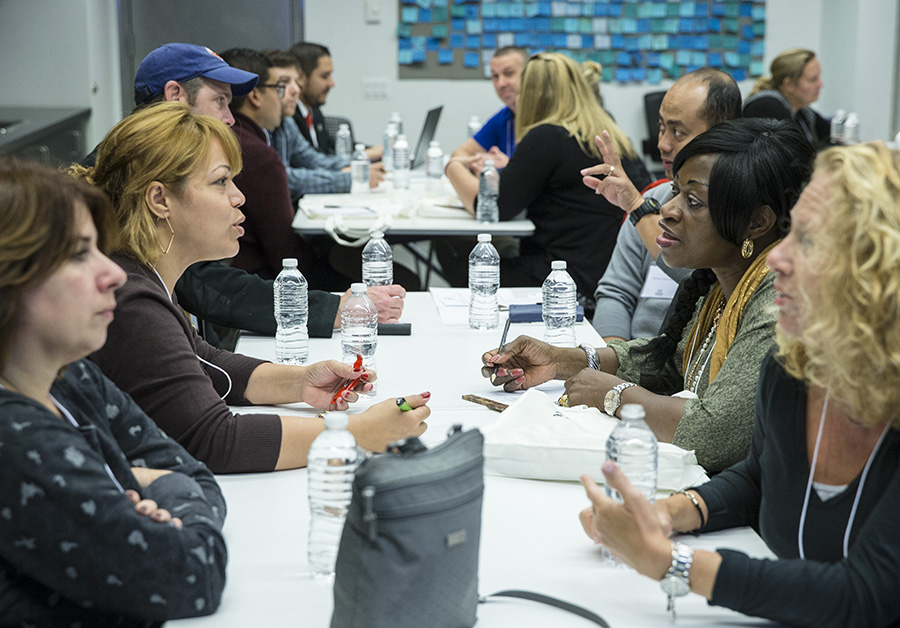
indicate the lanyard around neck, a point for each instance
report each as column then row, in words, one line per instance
column 809, row 483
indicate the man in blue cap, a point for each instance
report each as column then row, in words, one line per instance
column 194, row 75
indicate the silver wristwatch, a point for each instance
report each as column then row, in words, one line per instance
column 591, row 354
column 677, row 581
column 613, row 398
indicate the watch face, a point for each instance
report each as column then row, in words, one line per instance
column 675, row 586
column 611, row 402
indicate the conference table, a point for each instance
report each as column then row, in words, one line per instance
column 406, row 217
column 531, row 537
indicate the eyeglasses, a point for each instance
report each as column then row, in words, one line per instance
column 279, row 88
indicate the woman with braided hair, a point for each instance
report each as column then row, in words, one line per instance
column 733, row 189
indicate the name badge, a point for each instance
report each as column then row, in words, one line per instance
column 658, row 285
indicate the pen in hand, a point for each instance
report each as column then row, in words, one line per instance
column 500, row 350
column 350, row 383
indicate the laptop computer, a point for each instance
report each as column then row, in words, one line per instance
column 425, row 137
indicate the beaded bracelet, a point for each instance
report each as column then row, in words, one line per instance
column 696, row 503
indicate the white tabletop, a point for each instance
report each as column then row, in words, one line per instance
column 411, row 213
column 531, row 537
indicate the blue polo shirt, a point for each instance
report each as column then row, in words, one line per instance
column 499, row 131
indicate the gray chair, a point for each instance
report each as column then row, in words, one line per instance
column 333, row 122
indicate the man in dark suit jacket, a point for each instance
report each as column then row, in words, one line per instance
column 316, row 81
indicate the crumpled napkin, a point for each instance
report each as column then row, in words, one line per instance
column 534, row 438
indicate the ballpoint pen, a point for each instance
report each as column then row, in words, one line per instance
column 500, row 350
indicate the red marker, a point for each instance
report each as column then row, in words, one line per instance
column 350, row 383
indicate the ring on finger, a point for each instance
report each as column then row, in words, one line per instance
column 563, row 400
column 612, row 169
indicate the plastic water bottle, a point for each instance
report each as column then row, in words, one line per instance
column 837, row 126
column 474, row 126
column 387, row 157
column 377, row 262
column 484, row 281
column 343, row 143
column 633, row 446
column 359, row 170
column 359, row 329
column 487, row 209
column 291, row 336
column 558, row 306
column 333, row 459
column 401, row 163
column 396, row 119
column 851, row 130
column 434, row 167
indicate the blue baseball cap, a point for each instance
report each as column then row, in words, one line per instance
column 182, row 62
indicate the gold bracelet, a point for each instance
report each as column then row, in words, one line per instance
column 696, row 503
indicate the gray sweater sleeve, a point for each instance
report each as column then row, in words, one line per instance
column 619, row 290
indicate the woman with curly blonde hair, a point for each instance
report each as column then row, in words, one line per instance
column 822, row 481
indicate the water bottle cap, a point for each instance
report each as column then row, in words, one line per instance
column 336, row 420
column 484, row 237
column 342, row 126
column 632, row 411
column 392, row 125
column 840, row 112
column 289, row 262
column 377, row 234
column 559, row 264
column 434, row 143
column 474, row 119
column 358, row 287
column 488, row 163
column 401, row 137
column 360, row 146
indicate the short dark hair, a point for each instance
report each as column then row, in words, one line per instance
column 190, row 87
column 759, row 161
column 308, row 54
column 510, row 50
column 723, row 96
column 251, row 61
column 283, row 58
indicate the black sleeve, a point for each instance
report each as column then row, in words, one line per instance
column 77, row 533
column 767, row 107
column 530, row 168
column 231, row 297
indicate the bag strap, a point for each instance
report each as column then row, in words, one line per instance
column 550, row 601
column 355, row 236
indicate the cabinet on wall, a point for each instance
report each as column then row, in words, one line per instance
column 52, row 136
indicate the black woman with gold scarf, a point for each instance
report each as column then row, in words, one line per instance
column 734, row 186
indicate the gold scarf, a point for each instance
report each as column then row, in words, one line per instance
column 731, row 314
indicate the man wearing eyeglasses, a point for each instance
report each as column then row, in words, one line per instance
column 268, row 236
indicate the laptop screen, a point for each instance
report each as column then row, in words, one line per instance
column 428, row 130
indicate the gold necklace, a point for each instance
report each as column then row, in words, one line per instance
column 695, row 373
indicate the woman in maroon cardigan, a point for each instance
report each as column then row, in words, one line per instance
column 170, row 176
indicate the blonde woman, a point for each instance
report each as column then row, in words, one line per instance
column 170, row 176
column 794, row 84
column 556, row 120
column 822, row 480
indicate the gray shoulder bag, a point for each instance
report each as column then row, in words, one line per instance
column 408, row 556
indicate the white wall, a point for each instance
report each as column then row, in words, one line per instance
column 62, row 53
column 854, row 38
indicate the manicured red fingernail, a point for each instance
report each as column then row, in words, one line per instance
column 425, row 395
column 520, row 380
column 364, row 377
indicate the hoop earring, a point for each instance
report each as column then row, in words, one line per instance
column 166, row 250
column 746, row 248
